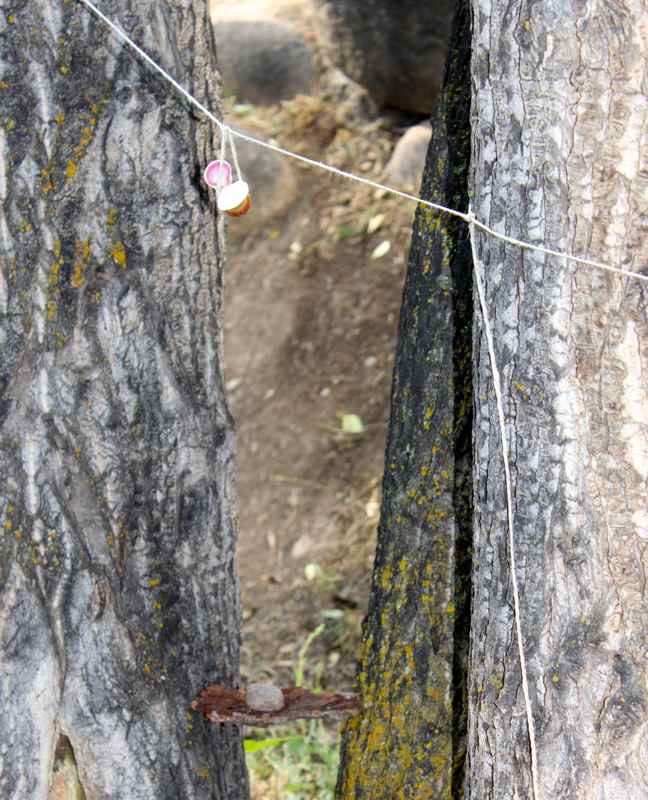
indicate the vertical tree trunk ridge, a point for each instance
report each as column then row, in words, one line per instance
column 409, row 741
column 118, row 592
column 559, row 158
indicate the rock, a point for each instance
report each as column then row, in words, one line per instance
column 396, row 49
column 263, row 62
column 264, row 697
column 273, row 186
column 405, row 168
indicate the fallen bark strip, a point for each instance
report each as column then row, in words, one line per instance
column 220, row 704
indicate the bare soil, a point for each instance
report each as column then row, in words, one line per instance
column 311, row 317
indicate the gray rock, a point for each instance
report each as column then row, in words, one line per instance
column 264, row 697
column 405, row 168
column 263, row 62
column 396, row 49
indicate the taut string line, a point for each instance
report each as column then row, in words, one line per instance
column 467, row 218
column 497, row 386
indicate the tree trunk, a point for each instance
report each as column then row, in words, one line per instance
column 119, row 598
column 560, row 159
column 409, row 741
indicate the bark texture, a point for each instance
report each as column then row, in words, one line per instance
column 560, row 158
column 118, row 594
column 409, row 740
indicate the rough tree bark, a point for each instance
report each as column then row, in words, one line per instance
column 409, row 741
column 118, row 594
column 559, row 157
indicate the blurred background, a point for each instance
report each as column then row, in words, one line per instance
column 313, row 287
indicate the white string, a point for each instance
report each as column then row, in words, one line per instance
column 221, row 155
column 497, row 385
column 349, row 175
column 234, row 155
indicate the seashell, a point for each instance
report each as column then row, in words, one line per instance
column 235, row 199
column 218, row 174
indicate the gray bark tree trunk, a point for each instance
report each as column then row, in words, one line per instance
column 559, row 158
column 118, row 593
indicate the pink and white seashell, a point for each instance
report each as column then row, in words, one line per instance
column 218, row 174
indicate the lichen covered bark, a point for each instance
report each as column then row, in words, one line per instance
column 560, row 159
column 409, row 740
column 118, row 594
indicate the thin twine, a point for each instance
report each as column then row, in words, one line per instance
column 223, row 143
column 234, row 154
column 497, row 385
column 468, row 219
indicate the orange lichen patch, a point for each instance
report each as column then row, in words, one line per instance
column 82, row 256
column 55, row 272
column 111, row 217
column 70, row 170
column 59, row 118
column 386, row 577
column 86, row 137
column 78, row 279
column 153, row 582
column 118, row 253
column 64, row 69
column 45, row 175
column 4, row 85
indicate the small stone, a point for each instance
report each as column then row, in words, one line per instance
column 264, row 697
column 370, row 361
column 405, row 167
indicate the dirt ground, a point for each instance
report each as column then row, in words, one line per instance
column 311, row 316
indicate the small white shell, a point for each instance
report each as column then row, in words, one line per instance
column 234, row 197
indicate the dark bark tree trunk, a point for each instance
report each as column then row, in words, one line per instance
column 409, row 741
column 560, row 159
column 118, row 592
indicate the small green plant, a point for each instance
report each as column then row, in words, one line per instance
column 300, row 767
column 299, row 763
column 300, row 666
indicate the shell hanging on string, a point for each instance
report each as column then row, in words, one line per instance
column 235, row 199
column 218, row 174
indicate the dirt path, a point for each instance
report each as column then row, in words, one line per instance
column 311, row 316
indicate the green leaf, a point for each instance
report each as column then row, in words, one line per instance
column 346, row 232
column 252, row 745
column 351, row 423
